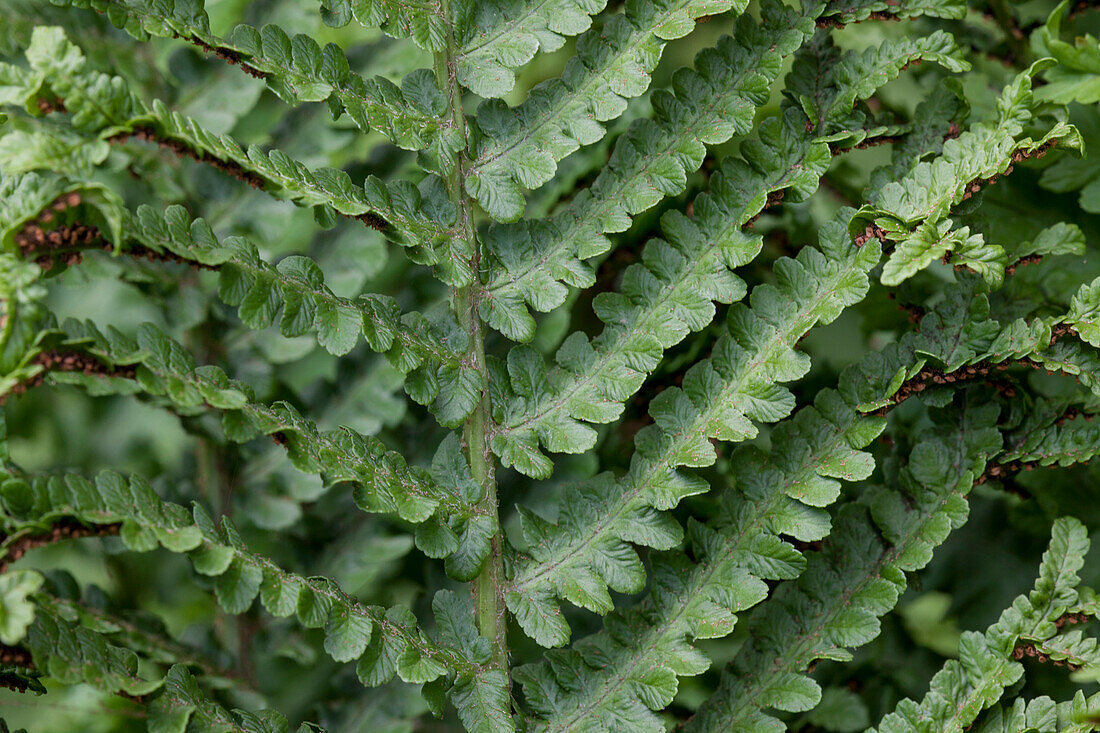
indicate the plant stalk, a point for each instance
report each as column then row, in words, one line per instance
column 488, row 586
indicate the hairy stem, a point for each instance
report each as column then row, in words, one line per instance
column 488, row 593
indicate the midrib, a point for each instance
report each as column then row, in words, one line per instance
column 578, row 96
column 597, row 206
column 700, row 578
column 639, row 482
column 625, row 333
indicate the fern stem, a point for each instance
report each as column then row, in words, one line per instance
column 488, row 593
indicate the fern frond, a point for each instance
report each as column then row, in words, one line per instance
column 1072, row 357
column 384, row 641
column 520, row 148
column 1075, row 77
column 642, row 651
column 855, row 76
column 73, row 654
column 672, row 291
column 423, row 21
column 499, row 36
column 667, row 296
column 296, row 69
column 258, row 289
column 707, row 105
column 142, row 633
column 776, row 497
column 22, row 318
column 914, row 213
column 102, row 108
column 960, row 341
column 296, row 286
column 1042, row 715
column 852, row 11
column 1079, row 715
column 24, row 198
column 986, row 664
column 156, row 365
column 16, row 588
column 936, row 119
column 587, row 550
column 67, row 651
column 856, row 578
column 1058, row 440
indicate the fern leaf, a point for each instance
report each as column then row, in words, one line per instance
column 1084, row 313
column 520, row 148
column 297, row 286
column 23, row 198
column 499, row 36
column 671, row 293
column 856, row 578
column 1075, row 77
column 667, row 296
column 914, row 212
column 643, row 650
column 16, row 611
column 1079, row 714
column 158, row 366
column 1058, row 442
column 856, row 76
column 73, row 654
column 143, row 633
column 780, row 496
column 259, row 290
column 296, row 69
column 240, row 576
column 936, row 119
column 852, row 11
column 965, row 687
column 808, row 452
column 421, row 20
column 706, row 106
column 24, row 323
column 102, row 108
column 587, row 551
column 22, row 151
column 181, row 705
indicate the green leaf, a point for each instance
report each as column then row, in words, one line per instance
column 586, row 551
column 318, row 602
column 16, row 609
column 672, row 291
column 103, row 108
column 238, row 585
column 915, row 212
column 653, row 159
column 454, row 615
column 421, row 20
column 483, row 703
column 503, row 35
column 347, row 634
column 986, row 664
column 1084, row 312
column 520, row 149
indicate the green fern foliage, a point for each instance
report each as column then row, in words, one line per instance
column 549, row 365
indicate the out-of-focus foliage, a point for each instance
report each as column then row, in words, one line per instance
column 549, row 365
